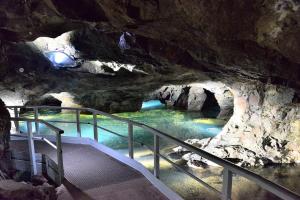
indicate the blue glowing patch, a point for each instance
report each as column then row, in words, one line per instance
column 60, row 59
column 152, row 104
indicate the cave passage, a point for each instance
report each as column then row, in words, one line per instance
column 152, row 104
column 60, row 59
column 210, row 108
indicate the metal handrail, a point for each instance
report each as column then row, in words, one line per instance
column 52, row 127
column 229, row 168
column 30, row 138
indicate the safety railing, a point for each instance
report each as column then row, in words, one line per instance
column 228, row 168
column 31, row 138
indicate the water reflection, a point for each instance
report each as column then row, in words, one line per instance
column 182, row 125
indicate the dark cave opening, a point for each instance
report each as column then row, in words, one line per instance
column 210, row 108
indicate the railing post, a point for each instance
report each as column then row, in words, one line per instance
column 227, row 184
column 36, row 117
column 156, row 156
column 130, row 140
column 31, row 149
column 60, row 163
column 95, row 126
column 17, row 122
column 78, row 123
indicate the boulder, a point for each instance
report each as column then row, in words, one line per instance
column 196, row 98
column 10, row 189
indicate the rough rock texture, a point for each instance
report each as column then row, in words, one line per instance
column 9, row 189
column 264, row 128
column 6, row 170
column 47, row 100
column 112, row 86
column 5, row 126
column 257, row 39
column 193, row 97
column 196, row 98
column 172, row 95
column 222, row 94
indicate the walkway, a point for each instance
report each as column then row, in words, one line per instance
column 91, row 174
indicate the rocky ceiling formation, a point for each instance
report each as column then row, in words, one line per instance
column 257, row 39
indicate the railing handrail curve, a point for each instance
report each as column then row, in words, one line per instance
column 51, row 126
column 58, row 145
column 270, row 186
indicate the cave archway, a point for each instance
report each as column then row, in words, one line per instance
column 211, row 107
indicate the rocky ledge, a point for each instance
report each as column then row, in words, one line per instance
column 264, row 128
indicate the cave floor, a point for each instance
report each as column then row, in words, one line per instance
column 92, row 174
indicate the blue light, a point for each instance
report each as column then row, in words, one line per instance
column 152, row 104
column 60, row 59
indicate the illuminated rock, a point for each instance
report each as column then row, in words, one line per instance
column 60, row 59
column 262, row 135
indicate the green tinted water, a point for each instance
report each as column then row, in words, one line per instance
column 182, row 125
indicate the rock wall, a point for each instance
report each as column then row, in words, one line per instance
column 5, row 126
column 193, row 96
column 264, row 129
column 107, row 79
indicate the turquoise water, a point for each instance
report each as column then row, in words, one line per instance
column 182, row 125
column 152, row 104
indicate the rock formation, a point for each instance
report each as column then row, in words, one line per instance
column 252, row 47
column 196, row 96
column 264, row 128
column 10, row 189
column 5, row 126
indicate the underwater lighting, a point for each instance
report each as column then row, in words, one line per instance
column 214, row 131
column 60, row 59
column 152, row 104
column 210, row 121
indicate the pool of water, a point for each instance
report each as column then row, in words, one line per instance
column 182, row 125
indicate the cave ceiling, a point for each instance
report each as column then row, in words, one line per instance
column 254, row 39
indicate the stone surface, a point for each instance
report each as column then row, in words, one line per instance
column 99, row 82
column 47, row 100
column 264, row 128
column 257, row 39
column 192, row 97
column 5, row 126
column 196, row 98
column 9, row 189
